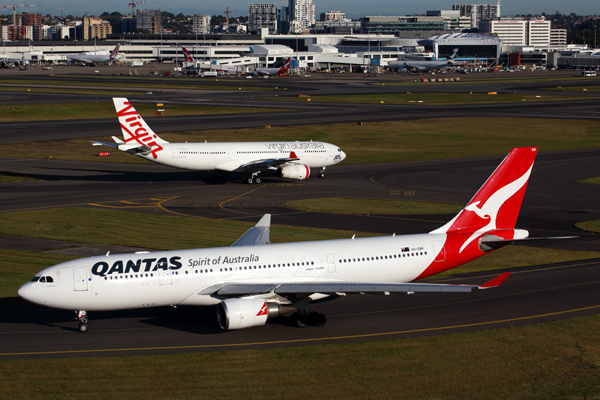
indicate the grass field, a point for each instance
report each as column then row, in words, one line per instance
column 556, row 360
column 373, row 142
column 593, row 181
column 590, row 226
column 436, row 99
column 67, row 111
column 340, row 205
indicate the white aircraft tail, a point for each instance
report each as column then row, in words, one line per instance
column 115, row 52
column 135, row 130
column 452, row 55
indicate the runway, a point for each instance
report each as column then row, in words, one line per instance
column 553, row 203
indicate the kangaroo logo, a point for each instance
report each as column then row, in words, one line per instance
column 489, row 210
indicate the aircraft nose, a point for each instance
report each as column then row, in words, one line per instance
column 343, row 155
column 24, row 292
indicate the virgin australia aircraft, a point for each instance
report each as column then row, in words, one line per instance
column 253, row 280
column 292, row 160
column 417, row 66
column 95, row 59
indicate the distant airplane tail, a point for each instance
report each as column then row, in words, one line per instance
column 452, row 55
column 285, row 67
column 136, row 131
column 115, row 52
column 187, row 55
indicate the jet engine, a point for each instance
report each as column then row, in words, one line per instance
column 244, row 313
column 294, row 171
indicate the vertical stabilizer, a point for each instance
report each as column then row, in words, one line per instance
column 134, row 128
column 496, row 205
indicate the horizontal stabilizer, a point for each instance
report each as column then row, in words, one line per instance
column 95, row 143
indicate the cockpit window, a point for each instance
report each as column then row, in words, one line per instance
column 35, row 279
column 43, row 279
column 339, row 149
column 49, row 279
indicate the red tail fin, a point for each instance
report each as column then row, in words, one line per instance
column 496, row 205
column 188, row 57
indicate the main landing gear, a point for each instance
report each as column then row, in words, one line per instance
column 321, row 173
column 252, row 178
column 83, row 322
column 302, row 319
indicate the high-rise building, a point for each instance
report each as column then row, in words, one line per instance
column 263, row 15
column 334, row 16
column 201, row 23
column 302, row 15
column 479, row 12
column 519, row 32
column 150, row 20
column 34, row 20
column 95, row 28
column 127, row 24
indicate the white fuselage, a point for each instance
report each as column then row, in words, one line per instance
column 177, row 277
column 229, row 156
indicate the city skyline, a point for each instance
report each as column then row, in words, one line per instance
column 353, row 8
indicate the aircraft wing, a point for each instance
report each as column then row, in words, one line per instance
column 340, row 288
column 257, row 235
column 255, row 165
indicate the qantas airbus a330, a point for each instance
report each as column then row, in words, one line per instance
column 253, row 280
column 292, row 160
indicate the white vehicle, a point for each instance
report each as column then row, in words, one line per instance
column 253, row 280
column 95, row 59
column 207, row 74
column 291, row 160
column 588, row 73
column 420, row 66
column 273, row 71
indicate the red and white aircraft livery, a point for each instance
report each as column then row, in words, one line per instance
column 273, row 71
column 188, row 57
column 292, row 160
column 254, row 280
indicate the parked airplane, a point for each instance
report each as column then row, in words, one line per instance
column 273, row 71
column 189, row 60
column 253, row 280
column 415, row 65
column 292, row 160
column 6, row 62
column 95, row 59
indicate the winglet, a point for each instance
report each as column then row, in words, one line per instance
column 257, row 235
column 293, row 154
column 497, row 281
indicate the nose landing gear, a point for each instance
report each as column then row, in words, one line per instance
column 83, row 321
column 321, row 173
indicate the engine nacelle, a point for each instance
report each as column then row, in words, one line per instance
column 243, row 313
column 294, row 171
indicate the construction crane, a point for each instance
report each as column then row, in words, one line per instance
column 14, row 7
column 227, row 12
column 133, row 4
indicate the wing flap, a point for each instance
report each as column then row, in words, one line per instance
column 243, row 289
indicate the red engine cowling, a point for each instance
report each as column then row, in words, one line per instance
column 243, row 313
column 294, row 171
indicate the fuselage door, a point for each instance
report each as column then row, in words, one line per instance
column 80, row 279
column 165, row 277
column 439, row 250
column 330, row 263
column 174, row 152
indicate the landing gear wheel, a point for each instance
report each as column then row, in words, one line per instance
column 83, row 327
column 225, row 177
column 320, row 175
column 257, row 180
column 249, row 181
column 317, row 319
column 299, row 320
